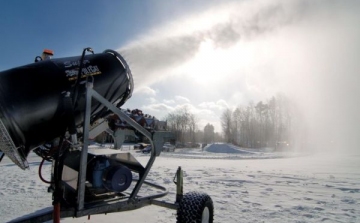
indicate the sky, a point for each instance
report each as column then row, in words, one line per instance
column 210, row 55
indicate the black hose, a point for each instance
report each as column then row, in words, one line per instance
column 38, row 59
column 76, row 88
column 40, row 174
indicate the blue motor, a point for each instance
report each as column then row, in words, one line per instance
column 117, row 178
column 110, row 175
column 100, row 166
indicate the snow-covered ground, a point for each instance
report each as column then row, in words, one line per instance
column 245, row 185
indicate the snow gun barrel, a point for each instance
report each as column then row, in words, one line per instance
column 39, row 100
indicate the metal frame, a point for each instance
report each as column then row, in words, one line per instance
column 90, row 93
column 126, row 203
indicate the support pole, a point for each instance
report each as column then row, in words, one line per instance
column 179, row 184
column 84, row 151
column 56, row 213
column 1, row 155
column 57, row 186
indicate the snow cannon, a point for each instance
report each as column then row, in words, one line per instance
column 42, row 100
column 59, row 109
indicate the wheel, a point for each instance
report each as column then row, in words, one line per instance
column 195, row 207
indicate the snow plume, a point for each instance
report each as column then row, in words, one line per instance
column 307, row 49
column 224, row 25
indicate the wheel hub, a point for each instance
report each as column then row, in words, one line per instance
column 205, row 217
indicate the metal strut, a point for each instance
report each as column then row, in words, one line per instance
column 179, row 184
column 90, row 94
column 1, row 155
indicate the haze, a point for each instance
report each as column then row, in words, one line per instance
column 236, row 52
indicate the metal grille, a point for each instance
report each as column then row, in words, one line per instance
column 7, row 146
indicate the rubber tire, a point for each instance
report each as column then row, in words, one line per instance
column 191, row 208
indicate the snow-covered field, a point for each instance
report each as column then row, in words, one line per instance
column 246, row 186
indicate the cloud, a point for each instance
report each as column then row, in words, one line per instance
column 162, row 110
column 219, row 105
column 181, row 99
column 160, row 107
column 151, row 100
column 194, row 110
column 169, row 101
column 146, row 90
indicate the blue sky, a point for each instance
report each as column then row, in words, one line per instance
column 207, row 55
column 26, row 27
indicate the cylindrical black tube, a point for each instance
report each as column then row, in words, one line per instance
column 31, row 97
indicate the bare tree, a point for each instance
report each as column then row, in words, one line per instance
column 192, row 126
column 226, row 119
column 236, row 126
column 183, row 124
column 262, row 124
column 209, row 133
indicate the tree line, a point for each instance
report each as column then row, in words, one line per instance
column 264, row 124
column 261, row 124
column 184, row 125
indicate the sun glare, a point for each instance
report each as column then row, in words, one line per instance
column 212, row 64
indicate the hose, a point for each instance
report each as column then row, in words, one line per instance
column 40, row 175
column 76, row 88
